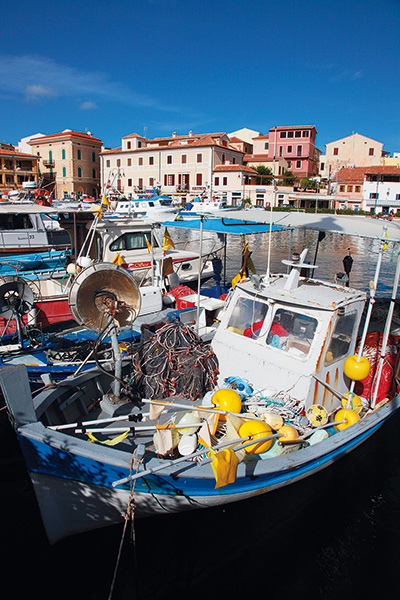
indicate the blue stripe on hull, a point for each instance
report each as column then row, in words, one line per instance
column 46, row 460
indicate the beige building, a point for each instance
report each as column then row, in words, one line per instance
column 352, row 151
column 179, row 164
column 16, row 168
column 69, row 163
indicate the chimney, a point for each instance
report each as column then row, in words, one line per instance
column 190, row 133
column 174, row 134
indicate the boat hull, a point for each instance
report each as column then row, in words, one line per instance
column 73, row 480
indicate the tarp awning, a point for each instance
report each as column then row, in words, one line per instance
column 230, row 226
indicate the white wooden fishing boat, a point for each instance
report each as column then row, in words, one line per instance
column 283, row 392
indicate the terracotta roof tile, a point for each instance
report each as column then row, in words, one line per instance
column 235, row 168
column 61, row 134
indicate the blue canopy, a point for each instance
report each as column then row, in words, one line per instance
column 223, row 225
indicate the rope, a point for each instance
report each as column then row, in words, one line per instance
column 129, row 517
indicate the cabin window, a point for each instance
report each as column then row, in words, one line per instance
column 292, row 332
column 248, row 317
column 10, row 221
column 341, row 337
column 136, row 240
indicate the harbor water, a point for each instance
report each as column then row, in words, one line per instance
column 334, row 535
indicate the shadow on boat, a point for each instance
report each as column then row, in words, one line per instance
column 332, row 535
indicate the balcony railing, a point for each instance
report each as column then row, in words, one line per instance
column 48, row 163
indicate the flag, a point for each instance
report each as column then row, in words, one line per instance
column 224, row 464
column 118, row 260
column 247, row 264
column 167, row 241
column 105, row 201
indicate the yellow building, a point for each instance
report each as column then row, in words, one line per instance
column 69, row 163
column 16, row 168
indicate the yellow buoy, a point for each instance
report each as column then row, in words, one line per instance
column 356, row 369
column 226, row 399
column 317, row 415
column 257, row 429
column 351, row 400
column 348, row 416
column 289, row 433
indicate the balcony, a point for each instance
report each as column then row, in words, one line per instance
column 48, row 163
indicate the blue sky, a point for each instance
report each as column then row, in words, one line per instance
column 159, row 66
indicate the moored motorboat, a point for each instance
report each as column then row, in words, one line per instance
column 291, row 399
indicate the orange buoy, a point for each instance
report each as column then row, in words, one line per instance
column 257, row 429
column 289, row 433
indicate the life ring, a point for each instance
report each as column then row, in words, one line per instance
column 42, row 197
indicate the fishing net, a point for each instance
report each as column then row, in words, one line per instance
column 174, row 362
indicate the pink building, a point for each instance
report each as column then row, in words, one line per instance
column 296, row 144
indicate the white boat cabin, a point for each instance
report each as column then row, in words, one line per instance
column 279, row 334
column 135, row 243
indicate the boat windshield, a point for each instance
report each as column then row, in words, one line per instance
column 292, row 332
column 136, row 240
column 341, row 337
column 248, row 317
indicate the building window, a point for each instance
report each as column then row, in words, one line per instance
column 335, row 151
column 94, row 173
column 356, row 207
column 140, row 182
column 216, row 181
column 223, row 159
column 289, row 164
column 298, row 134
column 290, row 149
column 199, row 158
column 169, row 159
column 322, row 166
column 79, row 172
column 128, row 145
column 224, row 181
column 139, row 144
column 290, row 134
column 280, row 150
column 151, row 160
column 397, row 196
column 199, row 179
column 298, row 164
column 282, row 134
column 349, row 188
column 64, row 172
column 108, row 163
column 233, row 160
column 373, row 196
column 118, row 162
column 357, row 188
column 129, row 162
column 169, row 180
column 129, row 182
column 79, row 154
column 266, row 145
column 371, row 152
column 50, row 156
column 63, row 153
column 299, row 150
column 93, row 157
column 184, row 159
column 341, row 188
column 306, row 134
column 151, row 181
column 140, row 161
